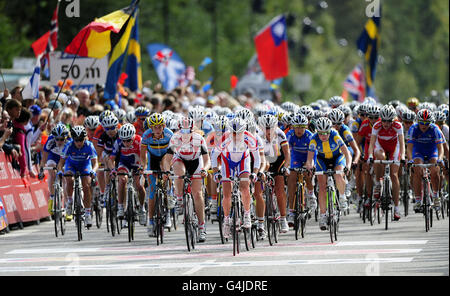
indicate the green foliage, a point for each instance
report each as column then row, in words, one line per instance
column 414, row 39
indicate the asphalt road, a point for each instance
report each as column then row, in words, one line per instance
column 404, row 249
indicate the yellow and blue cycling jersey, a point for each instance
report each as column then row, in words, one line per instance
column 329, row 152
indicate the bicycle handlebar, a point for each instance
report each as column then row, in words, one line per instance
column 424, row 165
column 387, row 161
column 329, row 172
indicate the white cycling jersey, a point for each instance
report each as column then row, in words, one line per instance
column 272, row 147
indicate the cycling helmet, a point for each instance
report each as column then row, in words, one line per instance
column 315, row 106
column 237, row 125
column 221, row 123
column 142, row 111
column 443, row 107
column 267, row 121
column 78, row 132
column 211, row 116
column 336, row 101
column 127, row 131
column 362, row 110
column 317, row 114
column 307, row 111
column 60, row 131
column 251, row 126
column 245, row 114
column 186, row 123
column 345, row 109
column 172, row 124
column 286, row 119
column 196, row 114
column 155, row 119
column 425, row 115
column 370, row 100
column 110, row 121
column 394, row 103
column 91, row 122
column 387, row 113
column 336, row 116
column 131, row 117
column 104, row 114
column 120, row 114
column 289, row 107
column 412, row 102
column 408, row 116
column 299, row 119
column 324, row 125
column 374, row 110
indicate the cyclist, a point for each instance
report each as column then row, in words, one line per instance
column 154, row 145
column 298, row 139
column 278, row 156
column 203, row 127
column 141, row 114
column 79, row 155
column 127, row 147
column 425, row 142
column 91, row 124
column 50, row 158
column 234, row 151
column 413, row 104
column 387, row 142
column 188, row 153
column 214, row 140
column 331, row 152
column 105, row 146
column 337, row 117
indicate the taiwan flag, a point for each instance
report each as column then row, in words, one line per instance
column 272, row 50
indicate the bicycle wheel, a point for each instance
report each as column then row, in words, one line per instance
column 426, row 207
column 130, row 214
column 78, row 214
column 297, row 210
column 159, row 212
column 56, row 212
column 236, row 225
column 276, row 221
column 269, row 215
column 220, row 216
column 188, row 213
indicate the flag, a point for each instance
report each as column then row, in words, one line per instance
column 117, row 57
column 168, row 65
column 31, row 90
column 206, row 61
column 207, row 85
column 47, row 43
column 355, row 85
column 369, row 43
column 134, row 71
column 272, row 50
column 99, row 37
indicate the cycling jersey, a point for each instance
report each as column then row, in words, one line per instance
column 347, row 136
column 272, row 148
column 365, row 131
column 156, row 148
column 139, row 126
column 299, row 147
column 128, row 156
column 235, row 156
column 356, row 124
column 425, row 143
column 54, row 151
column 387, row 139
column 79, row 160
column 329, row 152
column 100, row 130
column 189, row 150
column 107, row 143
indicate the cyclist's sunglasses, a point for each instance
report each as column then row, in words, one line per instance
column 387, row 121
column 78, row 140
column 363, row 114
column 185, row 130
column 127, row 141
column 300, row 126
column 373, row 117
column 323, row 133
column 60, row 139
column 421, row 122
column 110, row 128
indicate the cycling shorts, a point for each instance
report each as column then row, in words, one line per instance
column 323, row 164
column 80, row 167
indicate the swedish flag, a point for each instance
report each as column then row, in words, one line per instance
column 369, row 43
column 117, row 57
column 134, row 71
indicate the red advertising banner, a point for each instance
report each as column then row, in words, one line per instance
column 24, row 199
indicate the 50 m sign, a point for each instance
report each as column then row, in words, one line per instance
column 85, row 71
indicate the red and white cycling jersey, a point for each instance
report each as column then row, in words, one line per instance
column 387, row 138
column 188, row 147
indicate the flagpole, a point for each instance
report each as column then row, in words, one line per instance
column 70, row 68
column 84, row 77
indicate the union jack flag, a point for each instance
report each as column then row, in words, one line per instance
column 163, row 56
column 355, row 83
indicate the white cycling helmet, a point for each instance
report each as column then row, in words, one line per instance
column 324, row 125
column 131, row 117
column 221, row 123
column 237, row 125
column 336, row 116
column 110, row 121
column 268, row 121
column 336, row 101
column 307, row 111
column 388, row 113
column 186, row 123
column 120, row 114
column 127, row 131
column 299, row 119
column 196, row 114
column 439, row 116
column 91, row 122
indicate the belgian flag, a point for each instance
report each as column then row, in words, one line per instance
column 99, row 37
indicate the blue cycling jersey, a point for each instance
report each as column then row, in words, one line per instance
column 75, row 155
column 425, row 143
column 299, row 147
column 207, row 127
column 157, row 147
column 347, row 136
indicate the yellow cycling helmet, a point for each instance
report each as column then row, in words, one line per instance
column 412, row 102
column 152, row 120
